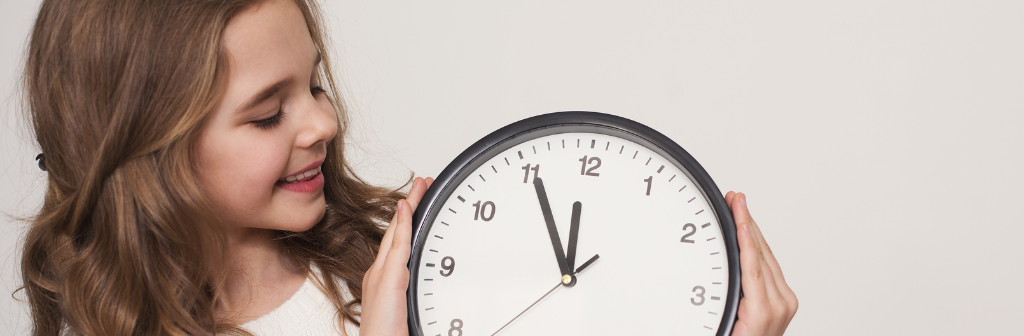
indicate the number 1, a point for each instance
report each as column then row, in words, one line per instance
column 649, row 179
column 536, row 170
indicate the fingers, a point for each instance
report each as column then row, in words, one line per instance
column 752, row 280
column 785, row 293
column 398, row 255
column 399, row 231
column 742, row 215
column 768, row 304
column 728, row 198
column 419, row 187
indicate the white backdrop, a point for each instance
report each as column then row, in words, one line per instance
column 877, row 141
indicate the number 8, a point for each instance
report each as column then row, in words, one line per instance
column 455, row 328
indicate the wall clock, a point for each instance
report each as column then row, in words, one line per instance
column 573, row 223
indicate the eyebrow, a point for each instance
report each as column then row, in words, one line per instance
column 272, row 90
column 266, row 93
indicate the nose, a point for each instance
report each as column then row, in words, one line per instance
column 319, row 124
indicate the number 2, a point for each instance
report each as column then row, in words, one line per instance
column 693, row 230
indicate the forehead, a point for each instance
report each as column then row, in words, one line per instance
column 266, row 43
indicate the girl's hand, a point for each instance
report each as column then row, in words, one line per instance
column 768, row 304
column 384, row 285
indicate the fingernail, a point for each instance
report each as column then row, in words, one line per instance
column 746, row 228
column 399, row 206
column 743, row 200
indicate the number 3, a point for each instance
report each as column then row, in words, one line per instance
column 700, row 295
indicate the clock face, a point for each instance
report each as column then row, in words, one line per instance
column 644, row 250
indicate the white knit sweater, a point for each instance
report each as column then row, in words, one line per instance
column 307, row 313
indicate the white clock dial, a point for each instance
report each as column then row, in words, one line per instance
column 487, row 259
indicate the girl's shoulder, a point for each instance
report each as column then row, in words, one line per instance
column 307, row 312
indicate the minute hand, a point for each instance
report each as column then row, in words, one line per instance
column 556, row 243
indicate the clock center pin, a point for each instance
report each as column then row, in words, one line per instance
column 568, row 280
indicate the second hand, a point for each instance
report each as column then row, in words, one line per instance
column 578, row 270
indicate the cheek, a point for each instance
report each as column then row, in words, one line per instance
column 240, row 173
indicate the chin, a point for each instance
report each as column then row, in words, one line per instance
column 308, row 222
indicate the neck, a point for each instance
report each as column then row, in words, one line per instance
column 260, row 276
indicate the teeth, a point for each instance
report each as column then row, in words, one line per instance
column 300, row 176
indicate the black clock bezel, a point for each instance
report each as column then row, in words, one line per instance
column 563, row 122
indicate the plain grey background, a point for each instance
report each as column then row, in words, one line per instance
column 879, row 142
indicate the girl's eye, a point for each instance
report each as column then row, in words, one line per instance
column 317, row 90
column 269, row 123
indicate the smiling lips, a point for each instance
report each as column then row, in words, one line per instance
column 301, row 177
column 305, row 182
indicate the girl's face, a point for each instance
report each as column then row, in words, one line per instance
column 262, row 146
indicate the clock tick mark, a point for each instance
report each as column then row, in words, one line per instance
column 714, row 253
column 534, row 149
column 592, row 142
column 620, row 149
column 433, row 250
column 431, row 323
column 698, row 212
column 716, row 283
column 471, row 187
column 577, row 143
column 425, row 294
column 438, row 237
column 428, row 279
column 691, row 200
column 672, row 178
column 549, row 145
column 634, row 154
column 431, row 308
column 712, row 313
column 712, row 238
column 445, row 224
column 563, row 143
column 715, row 298
column 494, row 169
column 716, row 268
column 709, row 328
column 681, row 189
column 453, row 211
column 662, row 168
column 506, row 162
column 430, row 265
column 648, row 161
column 606, row 145
column 461, row 199
column 705, row 225
column 482, row 177
column 520, row 155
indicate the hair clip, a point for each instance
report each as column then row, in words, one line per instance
column 42, row 161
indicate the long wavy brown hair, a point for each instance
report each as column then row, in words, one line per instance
column 125, row 244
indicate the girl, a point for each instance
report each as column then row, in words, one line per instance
column 197, row 181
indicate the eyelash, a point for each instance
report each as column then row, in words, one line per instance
column 275, row 120
column 269, row 122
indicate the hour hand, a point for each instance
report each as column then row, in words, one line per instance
column 556, row 243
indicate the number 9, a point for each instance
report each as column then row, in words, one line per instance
column 447, row 264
